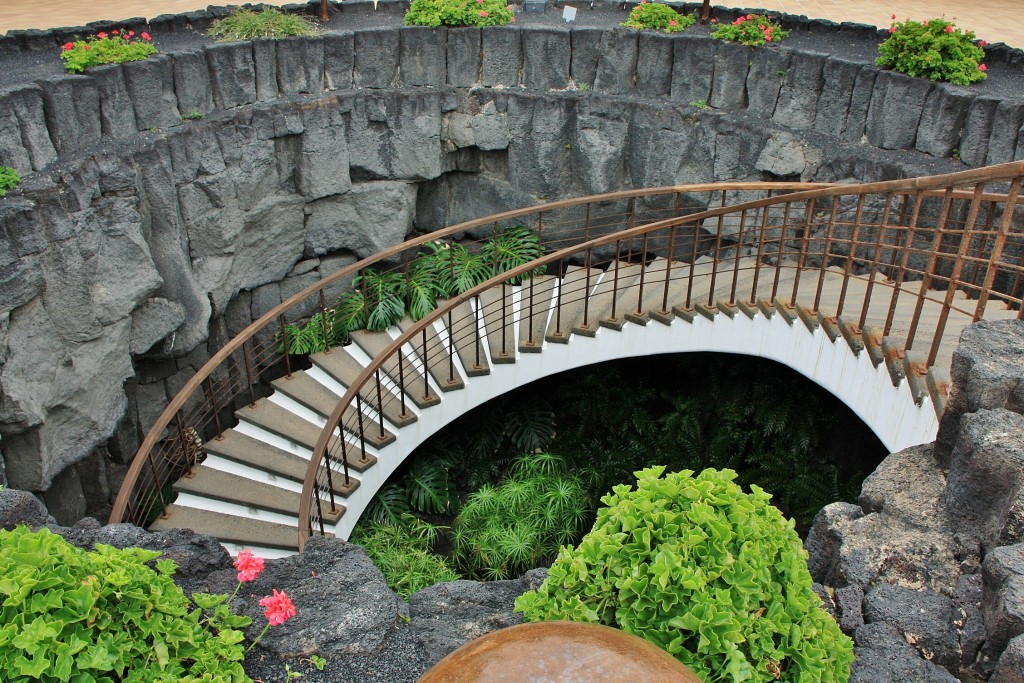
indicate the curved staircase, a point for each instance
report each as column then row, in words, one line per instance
column 247, row 485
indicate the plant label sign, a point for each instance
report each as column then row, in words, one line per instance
column 569, row 14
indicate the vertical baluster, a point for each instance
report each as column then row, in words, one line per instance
column 760, row 250
column 380, row 402
column 323, row 319
column 736, row 263
column 362, row 433
column 825, row 252
column 558, row 299
column 401, row 378
column 529, row 322
column 668, row 263
column 451, row 350
column 287, row 356
column 854, row 238
column 879, row 241
column 804, row 246
column 933, row 259
column 586, row 266
column 426, row 364
column 208, row 388
column 615, row 281
column 158, row 485
column 248, row 371
column 643, row 271
column 344, row 456
column 997, row 251
column 901, row 271
column 716, row 255
column 781, row 252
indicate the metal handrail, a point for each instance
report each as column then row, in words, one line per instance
column 181, row 426
column 911, row 193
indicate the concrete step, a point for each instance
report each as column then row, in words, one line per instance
column 344, row 369
column 274, row 419
column 231, row 488
column 245, row 450
column 570, row 302
column 306, row 391
column 441, row 363
column 229, row 528
column 375, row 343
column 463, row 328
column 499, row 321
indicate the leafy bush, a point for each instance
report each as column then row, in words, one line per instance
column 651, row 15
column 520, row 523
column 244, row 24
column 106, row 48
column 9, row 179
column 424, row 487
column 934, row 49
column 752, row 29
column 434, row 13
column 402, row 551
column 105, row 615
column 715, row 577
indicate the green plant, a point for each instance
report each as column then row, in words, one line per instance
column 435, row 13
column 752, row 29
column 106, row 48
column 700, row 104
column 9, row 179
column 385, row 297
column 105, row 615
column 584, row 87
column 934, row 49
column 244, row 24
column 651, row 15
column 402, row 551
column 716, row 577
column 193, row 116
column 510, row 248
column 506, row 529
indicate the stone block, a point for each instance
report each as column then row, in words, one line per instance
column 800, row 92
column 546, row 55
column 1010, row 667
column 323, row 164
column 1003, row 597
column 151, row 88
column 338, row 222
column 117, row 116
column 768, row 71
column 300, row 65
column 264, row 57
column 72, row 112
column 925, row 619
column 839, row 78
column 422, row 56
column 339, row 60
column 586, row 53
column 654, row 57
column 860, row 102
column 942, row 120
column 192, row 83
column 1006, row 125
column 232, row 74
column 883, row 656
column 897, row 103
column 728, row 89
column 463, row 56
column 376, row 58
column 616, row 70
column 152, row 322
column 502, row 56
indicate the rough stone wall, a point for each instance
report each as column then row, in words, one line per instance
column 145, row 236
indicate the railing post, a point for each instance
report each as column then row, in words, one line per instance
column 805, row 243
column 736, row 264
column 716, row 255
column 287, row 356
column 558, row 299
column 426, row 365
column 208, row 388
column 158, row 485
column 401, row 377
column 323, row 319
column 997, row 250
column 319, row 507
column 760, row 250
column 879, row 241
column 248, row 372
column 668, row 263
column 933, row 259
column 851, row 254
column 615, row 281
column 451, row 351
column 529, row 325
column 362, row 432
column 586, row 266
column 693, row 266
column 826, row 251
column 643, row 272
column 782, row 251
column 380, row 401
column 901, row 272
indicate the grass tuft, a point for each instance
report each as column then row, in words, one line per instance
column 269, row 23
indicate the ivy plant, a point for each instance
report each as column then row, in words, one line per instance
column 106, row 616
column 714, row 576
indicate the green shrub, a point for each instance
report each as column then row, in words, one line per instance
column 752, row 29
column 402, row 551
column 106, row 48
column 435, row 13
column 520, row 523
column 715, row 577
column 244, row 24
column 934, row 49
column 9, row 179
column 105, row 615
column 651, row 15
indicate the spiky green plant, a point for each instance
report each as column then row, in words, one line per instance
column 402, row 550
column 244, row 24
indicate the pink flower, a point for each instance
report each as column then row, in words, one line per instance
column 85, row 47
column 483, row 13
column 714, row 21
column 983, row 43
column 146, row 36
column 101, row 35
column 67, row 46
column 673, row 22
column 131, row 34
column 924, row 23
column 116, row 32
column 768, row 37
column 982, row 67
column 949, row 29
column 279, row 608
column 248, row 565
column 892, row 29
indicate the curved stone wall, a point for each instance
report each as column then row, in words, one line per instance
column 170, row 202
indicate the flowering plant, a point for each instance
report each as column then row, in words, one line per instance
column 655, row 16
column 118, row 46
column 278, row 607
column 752, row 29
column 434, row 13
column 934, row 49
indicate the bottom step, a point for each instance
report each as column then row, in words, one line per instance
column 229, row 529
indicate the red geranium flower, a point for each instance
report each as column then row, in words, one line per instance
column 101, row 35
column 146, row 36
column 949, row 29
column 116, row 32
column 483, row 13
column 279, row 608
column 67, row 46
column 982, row 67
column 248, row 565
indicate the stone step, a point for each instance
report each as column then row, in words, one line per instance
column 306, row 391
column 229, row 528
column 245, row 450
column 569, row 302
column 422, row 394
column 442, row 366
column 274, row 419
column 231, row 488
column 627, row 283
column 344, row 369
column 614, row 281
column 536, row 297
column 499, row 321
column 465, row 331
